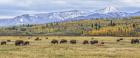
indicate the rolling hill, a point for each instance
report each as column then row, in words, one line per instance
column 97, row 27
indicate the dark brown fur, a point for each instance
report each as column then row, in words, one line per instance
column 63, row 41
column 3, row 43
column 93, row 41
column 85, row 42
column 73, row 41
column 54, row 41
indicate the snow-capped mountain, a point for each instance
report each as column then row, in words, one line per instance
column 108, row 12
column 63, row 15
column 42, row 18
column 109, row 9
column 111, row 12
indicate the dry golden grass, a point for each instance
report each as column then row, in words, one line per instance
column 44, row 49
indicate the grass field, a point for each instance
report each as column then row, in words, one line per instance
column 44, row 49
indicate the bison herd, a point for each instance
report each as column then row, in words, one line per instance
column 64, row 41
column 17, row 42
column 75, row 41
column 135, row 41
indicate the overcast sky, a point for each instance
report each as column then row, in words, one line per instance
column 10, row 8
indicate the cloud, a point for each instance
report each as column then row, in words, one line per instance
column 130, row 3
column 64, row 4
column 19, row 3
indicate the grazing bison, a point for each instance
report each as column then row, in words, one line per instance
column 3, row 43
column 54, row 41
column 26, row 43
column 118, row 40
column 19, row 42
column 37, row 39
column 121, row 38
column 94, row 42
column 63, row 41
column 85, row 42
column 8, row 40
column 73, row 41
column 102, row 42
column 134, row 41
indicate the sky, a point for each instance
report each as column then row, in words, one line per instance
column 11, row 8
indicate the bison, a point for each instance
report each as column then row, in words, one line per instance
column 63, row 41
column 3, row 43
column 93, row 41
column 19, row 42
column 54, row 41
column 37, row 39
column 121, row 38
column 8, row 40
column 102, row 42
column 26, row 43
column 85, row 42
column 73, row 41
column 118, row 40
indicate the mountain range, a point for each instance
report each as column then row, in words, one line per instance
column 42, row 18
